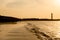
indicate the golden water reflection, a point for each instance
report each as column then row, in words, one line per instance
column 51, row 28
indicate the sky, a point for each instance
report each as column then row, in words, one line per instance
column 30, row 8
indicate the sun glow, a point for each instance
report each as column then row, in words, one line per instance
column 57, row 2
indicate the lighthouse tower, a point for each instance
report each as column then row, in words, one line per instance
column 51, row 15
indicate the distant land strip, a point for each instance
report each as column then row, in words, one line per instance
column 13, row 19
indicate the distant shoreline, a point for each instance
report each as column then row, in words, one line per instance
column 40, row 20
column 6, row 19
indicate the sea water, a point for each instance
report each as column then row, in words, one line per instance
column 51, row 28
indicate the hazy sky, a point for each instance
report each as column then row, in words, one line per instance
column 30, row 8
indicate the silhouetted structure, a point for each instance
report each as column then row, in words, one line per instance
column 51, row 15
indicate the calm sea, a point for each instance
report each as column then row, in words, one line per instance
column 51, row 28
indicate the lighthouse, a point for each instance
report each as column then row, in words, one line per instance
column 51, row 15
